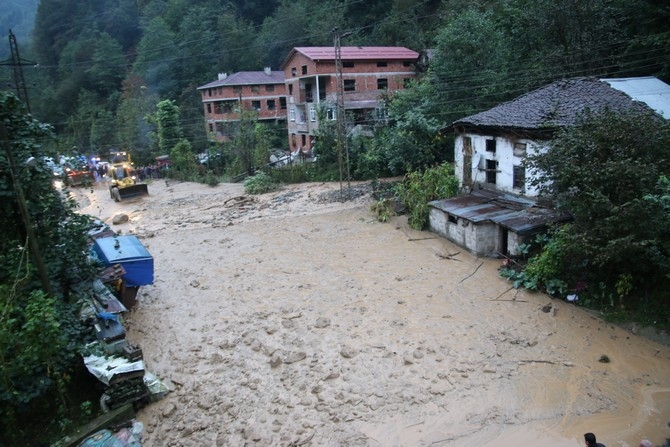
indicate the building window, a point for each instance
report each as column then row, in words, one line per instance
column 211, row 127
column 407, row 82
column 349, row 85
column 294, row 71
column 209, row 92
column 491, row 170
column 452, row 219
column 519, row 149
column 290, row 89
column 381, row 113
column 519, row 178
column 382, row 64
column 347, row 64
column 312, row 113
column 224, row 106
column 303, row 69
column 269, row 88
column 282, row 103
column 406, row 63
column 255, row 89
column 209, row 107
column 271, row 104
column 330, row 114
column 237, row 89
column 491, row 146
column 382, row 84
column 291, row 113
column 256, row 105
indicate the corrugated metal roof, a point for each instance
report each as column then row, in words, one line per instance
column 248, row 78
column 354, row 53
column 520, row 216
column 648, row 89
column 556, row 105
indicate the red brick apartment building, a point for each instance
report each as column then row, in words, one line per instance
column 367, row 72
column 308, row 82
column 262, row 91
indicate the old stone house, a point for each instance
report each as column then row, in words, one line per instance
column 499, row 210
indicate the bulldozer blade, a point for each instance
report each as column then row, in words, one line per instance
column 134, row 190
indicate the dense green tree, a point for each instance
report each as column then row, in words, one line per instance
column 470, row 71
column 132, row 128
column 299, row 23
column 184, row 164
column 168, row 128
column 108, row 66
column 251, row 143
column 38, row 331
column 602, row 172
column 155, row 60
column 255, row 10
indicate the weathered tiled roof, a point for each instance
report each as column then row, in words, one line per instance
column 555, row 105
column 248, row 78
column 354, row 53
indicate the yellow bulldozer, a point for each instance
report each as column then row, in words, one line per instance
column 124, row 180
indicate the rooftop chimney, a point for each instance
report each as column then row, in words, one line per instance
column 268, row 71
column 222, row 76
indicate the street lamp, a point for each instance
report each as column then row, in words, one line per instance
column 25, row 215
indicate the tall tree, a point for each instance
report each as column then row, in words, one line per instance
column 108, row 66
column 155, row 60
column 168, row 125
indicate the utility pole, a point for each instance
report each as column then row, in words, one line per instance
column 342, row 149
column 17, row 63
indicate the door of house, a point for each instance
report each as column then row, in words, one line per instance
column 467, row 161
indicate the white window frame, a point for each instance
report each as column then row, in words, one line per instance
column 291, row 113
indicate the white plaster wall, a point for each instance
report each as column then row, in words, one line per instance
column 504, row 155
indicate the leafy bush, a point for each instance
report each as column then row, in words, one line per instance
column 259, row 184
column 210, row 179
column 419, row 188
column 383, row 208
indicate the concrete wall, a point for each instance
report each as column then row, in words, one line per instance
column 504, row 157
column 481, row 239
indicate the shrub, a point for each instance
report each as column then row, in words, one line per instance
column 419, row 188
column 259, row 184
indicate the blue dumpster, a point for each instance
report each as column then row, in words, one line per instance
column 129, row 252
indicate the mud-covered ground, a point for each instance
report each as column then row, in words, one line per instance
column 295, row 318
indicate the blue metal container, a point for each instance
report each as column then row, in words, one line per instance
column 129, row 252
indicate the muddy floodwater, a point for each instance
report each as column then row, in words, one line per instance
column 291, row 319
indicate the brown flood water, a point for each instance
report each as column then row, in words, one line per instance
column 286, row 320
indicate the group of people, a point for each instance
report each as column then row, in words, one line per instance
column 151, row 171
column 590, row 440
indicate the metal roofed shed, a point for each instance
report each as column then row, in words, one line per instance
column 489, row 223
column 131, row 254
